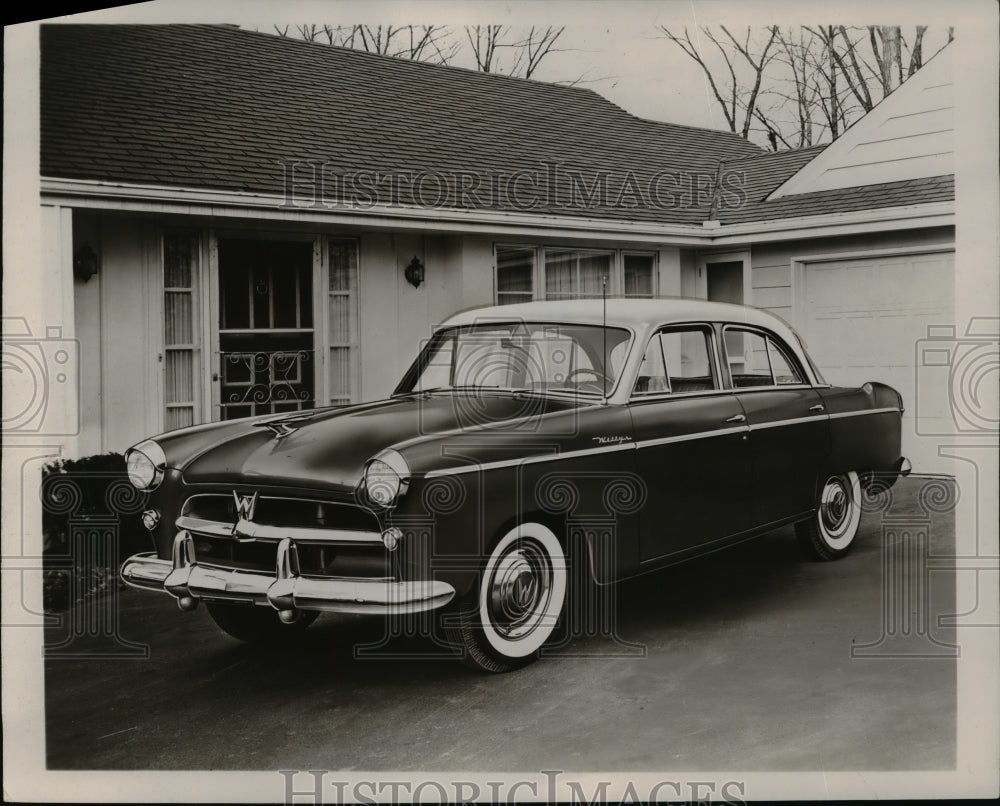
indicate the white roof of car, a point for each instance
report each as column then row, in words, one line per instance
column 634, row 313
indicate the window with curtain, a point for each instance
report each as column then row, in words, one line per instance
column 571, row 273
column 575, row 274
column 639, row 275
column 515, row 275
column 181, row 348
column 344, row 325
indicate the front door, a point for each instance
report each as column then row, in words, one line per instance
column 266, row 337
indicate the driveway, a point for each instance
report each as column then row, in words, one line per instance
column 744, row 663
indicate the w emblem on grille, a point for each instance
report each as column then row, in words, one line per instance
column 245, row 505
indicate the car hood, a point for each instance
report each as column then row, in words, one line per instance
column 329, row 449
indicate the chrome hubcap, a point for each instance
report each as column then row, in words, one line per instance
column 519, row 590
column 835, row 507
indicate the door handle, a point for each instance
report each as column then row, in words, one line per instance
column 736, row 418
column 817, row 407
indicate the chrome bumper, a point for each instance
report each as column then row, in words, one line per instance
column 284, row 590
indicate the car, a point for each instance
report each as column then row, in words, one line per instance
column 617, row 436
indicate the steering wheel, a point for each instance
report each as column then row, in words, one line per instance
column 598, row 376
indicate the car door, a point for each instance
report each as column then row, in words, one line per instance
column 789, row 430
column 691, row 445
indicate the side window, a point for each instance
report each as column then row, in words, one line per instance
column 676, row 361
column 758, row 360
column 687, row 354
column 652, row 377
column 783, row 368
column 749, row 364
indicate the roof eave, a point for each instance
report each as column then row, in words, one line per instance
column 913, row 216
column 97, row 194
column 122, row 196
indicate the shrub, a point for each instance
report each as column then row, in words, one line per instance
column 77, row 493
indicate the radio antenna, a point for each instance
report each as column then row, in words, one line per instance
column 604, row 332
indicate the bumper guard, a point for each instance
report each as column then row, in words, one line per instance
column 286, row 591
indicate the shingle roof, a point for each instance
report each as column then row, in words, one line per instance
column 217, row 107
column 748, row 181
column 844, row 200
column 223, row 108
column 745, row 186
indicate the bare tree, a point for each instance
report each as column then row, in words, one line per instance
column 430, row 43
column 485, row 41
column 917, row 51
column 533, row 48
column 787, row 114
column 806, row 85
column 736, row 94
column 490, row 43
column 494, row 48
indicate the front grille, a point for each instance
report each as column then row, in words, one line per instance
column 354, row 550
column 294, row 512
column 228, row 553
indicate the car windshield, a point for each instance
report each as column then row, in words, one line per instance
column 521, row 356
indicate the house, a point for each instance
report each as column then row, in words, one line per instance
column 261, row 224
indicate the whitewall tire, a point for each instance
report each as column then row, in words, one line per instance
column 830, row 532
column 514, row 609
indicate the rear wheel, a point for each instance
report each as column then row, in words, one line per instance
column 830, row 533
column 256, row 624
column 505, row 619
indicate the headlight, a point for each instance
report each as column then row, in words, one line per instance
column 145, row 464
column 386, row 478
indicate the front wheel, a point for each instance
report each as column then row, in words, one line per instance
column 504, row 621
column 830, row 533
column 256, row 624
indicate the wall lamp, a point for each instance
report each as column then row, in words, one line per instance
column 414, row 272
column 85, row 263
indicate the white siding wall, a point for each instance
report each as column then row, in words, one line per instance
column 131, row 298
column 397, row 318
column 120, row 369
column 692, row 284
column 87, row 305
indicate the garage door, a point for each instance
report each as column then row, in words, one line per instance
column 864, row 320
